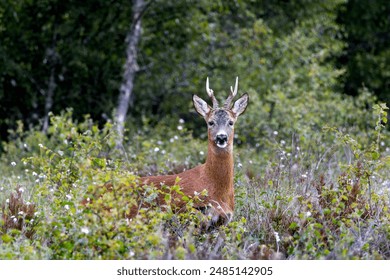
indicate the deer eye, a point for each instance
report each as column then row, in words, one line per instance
column 231, row 123
column 211, row 123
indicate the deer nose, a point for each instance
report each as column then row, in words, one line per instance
column 221, row 139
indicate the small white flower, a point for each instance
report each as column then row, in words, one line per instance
column 21, row 189
column 282, row 142
column 66, row 207
column 15, row 220
column 34, row 173
column 308, row 214
column 179, row 127
column 171, row 140
column 31, row 221
column 21, row 213
column 131, row 254
column 13, row 163
column 2, row 188
column 40, row 145
column 36, row 214
column 276, row 133
column 66, row 142
column 37, row 181
column 25, row 145
column 61, row 153
column 181, row 121
column 156, row 149
column 201, row 153
column 85, row 230
column 304, row 175
column 277, row 237
column 176, row 137
column 7, row 200
column 196, row 193
column 28, row 203
column 68, row 196
column 239, row 165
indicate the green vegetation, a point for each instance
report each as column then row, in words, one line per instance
column 326, row 197
column 312, row 151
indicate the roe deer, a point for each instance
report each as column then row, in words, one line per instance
column 216, row 174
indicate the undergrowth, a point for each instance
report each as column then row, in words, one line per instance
column 324, row 198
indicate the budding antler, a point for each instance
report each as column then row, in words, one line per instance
column 210, row 92
column 233, row 93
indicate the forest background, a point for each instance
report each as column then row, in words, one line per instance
column 97, row 91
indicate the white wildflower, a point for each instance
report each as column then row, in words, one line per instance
column 21, row 189
column 61, row 153
column 25, row 145
column 40, row 145
column 67, row 207
column 276, row 133
column 21, row 213
column 239, row 165
column 34, row 173
column 304, row 175
column 176, row 137
column 131, row 254
column 179, row 127
column 308, row 214
column 282, row 142
column 68, row 196
column 13, row 163
column 85, row 230
column 201, row 153
column 196, row 193
column 181, row 121
column 277, row 237
column 7, row 200
column 15, row 220
column 37, row 180
column 156, row 149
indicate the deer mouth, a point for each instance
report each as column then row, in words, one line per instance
column 221, row 141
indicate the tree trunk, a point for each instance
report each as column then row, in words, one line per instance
column 49, row 99
column 130, row 68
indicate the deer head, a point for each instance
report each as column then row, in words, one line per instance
column 221, row 120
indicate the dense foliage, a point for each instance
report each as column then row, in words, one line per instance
column 312, row 151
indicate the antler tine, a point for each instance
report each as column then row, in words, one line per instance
column 231, row 95
column 210, row 92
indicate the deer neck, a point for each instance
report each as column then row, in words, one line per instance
column 219, row 166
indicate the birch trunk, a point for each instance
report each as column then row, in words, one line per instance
column 130, row 69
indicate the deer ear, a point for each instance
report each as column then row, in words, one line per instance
column 240, row 105
column 201, row 106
